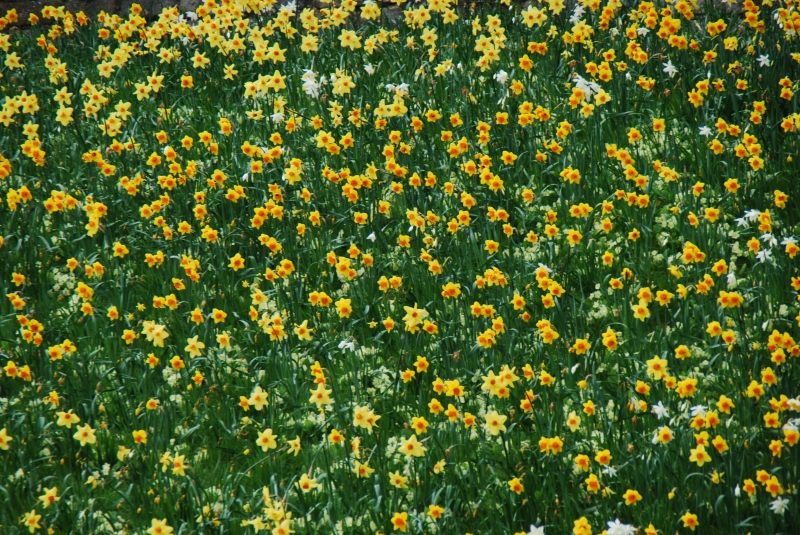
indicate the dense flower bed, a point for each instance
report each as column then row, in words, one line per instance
column 488, row 269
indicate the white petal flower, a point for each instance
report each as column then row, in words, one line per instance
column 618, row 528
column 308, row 75
column 698, row 410
column 660, row 410
column 779, row 505
column 752, row 215
column 582, row 84
column 731, row 280
column 769, row 239
column 577, row 14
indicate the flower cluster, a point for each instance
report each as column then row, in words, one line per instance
column 414, row 266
